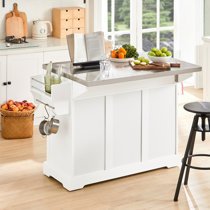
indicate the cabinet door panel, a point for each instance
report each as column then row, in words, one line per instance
column 159, row 122
column 123, row 129
column 3, row 78
column 20, row 68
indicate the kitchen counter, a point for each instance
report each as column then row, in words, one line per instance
column 50, row 44
column 121, row 73
column 113, row 127
column 206, row 38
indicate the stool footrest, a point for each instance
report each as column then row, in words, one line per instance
column 196, row 167
column 200, row 129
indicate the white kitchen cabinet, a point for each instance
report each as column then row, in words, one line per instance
column 123, row 136
column 20, row 68
column 159, row 127
column 3, row 79
column 56, row 56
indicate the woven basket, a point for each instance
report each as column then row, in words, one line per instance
column 17, row 125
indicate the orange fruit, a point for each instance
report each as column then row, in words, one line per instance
column 114, row 51
column 113, row 56
column 121, row 55
column 123, row 50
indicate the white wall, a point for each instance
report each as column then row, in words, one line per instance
column 190, row 28
column 34, row 9
column 190, row 33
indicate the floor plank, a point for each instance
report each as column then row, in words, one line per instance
column 23, row 186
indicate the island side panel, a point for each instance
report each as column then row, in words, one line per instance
column 159, row 122
column 88, row 135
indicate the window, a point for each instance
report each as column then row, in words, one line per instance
column 118, row 21
column 144, row 23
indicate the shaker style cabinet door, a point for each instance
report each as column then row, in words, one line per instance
column 159, row 127
column 20, row 68
column 123, row 129
column 3, row 79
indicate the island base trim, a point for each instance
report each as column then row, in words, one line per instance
column 72, row 183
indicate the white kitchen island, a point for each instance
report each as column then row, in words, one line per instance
column 113, row 127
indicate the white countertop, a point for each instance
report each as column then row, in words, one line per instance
column 50, row 44
column 206, row 39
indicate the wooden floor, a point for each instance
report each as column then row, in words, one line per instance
column 23, row 186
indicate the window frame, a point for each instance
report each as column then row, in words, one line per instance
column 136, row 28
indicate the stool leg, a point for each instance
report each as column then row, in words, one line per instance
column 189, row 159
column 203, row 125
column 189, row 143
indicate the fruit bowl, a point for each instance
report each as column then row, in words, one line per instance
column 121, row 60
column 160, row 59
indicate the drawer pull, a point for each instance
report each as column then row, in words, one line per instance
column 78, row 18
column 78, row 28
column 78, row 9
column 9, row 83
column 4, row 83
column 66, row 20
column 67, row 10
column 67, row 29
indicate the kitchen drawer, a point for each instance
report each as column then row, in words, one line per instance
column 66, row 31
column 78, row 23
column 79, row 30
column 66, row 13
column 67, row 23
column 78, row 13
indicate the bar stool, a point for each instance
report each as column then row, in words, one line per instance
column 202, row 111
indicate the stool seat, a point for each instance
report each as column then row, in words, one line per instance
column 198, row 107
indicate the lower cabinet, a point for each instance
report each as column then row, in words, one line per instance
column 3, row 79
column 16, row 71
column 123, row 129
column 20, row 68
column 115, row 131
column 158, row 122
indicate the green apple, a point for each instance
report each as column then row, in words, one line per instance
column 164, row 50
column 141, row 59
column 137, row 62
column 147, row 61
column 151, row 54
column 163, row 55
column 169, row 53
column 158, row 52
column 154, row 49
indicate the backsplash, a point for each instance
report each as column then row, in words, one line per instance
column 34, row 9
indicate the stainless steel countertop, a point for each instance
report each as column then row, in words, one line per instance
column 120, row 73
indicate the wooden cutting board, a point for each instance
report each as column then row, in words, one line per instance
column 14, row 26
column 22, row 15
column 158, row 66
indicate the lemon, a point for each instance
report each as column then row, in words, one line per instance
column 136, row 62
